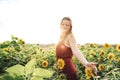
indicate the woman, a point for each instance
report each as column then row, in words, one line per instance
column 67, row 47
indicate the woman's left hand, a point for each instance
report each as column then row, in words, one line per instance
column 92, row 65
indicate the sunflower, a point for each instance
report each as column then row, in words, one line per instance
column 41, row 49
column 88, row 73
column 118, row 59
column 106, row 45
column 5, row 49
column 111, row 56
column 79, row 46
column 118, row 47
column 92, row 53
column 91, row 45
column 102, row 53
column 21, row 41
column 44, row 64
column 101, row 67
column 60, row 63
column 11, row 49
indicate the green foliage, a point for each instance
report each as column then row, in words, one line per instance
column 16, row 69
column 11, row 76
column 21, row 61
column 29, row 72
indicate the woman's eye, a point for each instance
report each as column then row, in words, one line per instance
column 66, row 24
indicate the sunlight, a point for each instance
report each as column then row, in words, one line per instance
column 38, row 21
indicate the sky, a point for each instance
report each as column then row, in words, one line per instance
column 38, row 21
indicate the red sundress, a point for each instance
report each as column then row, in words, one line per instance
column 64, row 52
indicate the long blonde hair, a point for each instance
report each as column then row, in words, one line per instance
column 62, row 37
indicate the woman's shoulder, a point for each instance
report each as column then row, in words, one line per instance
column 70, row 36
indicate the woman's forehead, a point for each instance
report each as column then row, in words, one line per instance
column 65, row 21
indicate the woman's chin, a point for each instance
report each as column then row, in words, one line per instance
column 64, row 31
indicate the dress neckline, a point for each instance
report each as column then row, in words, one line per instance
column 64, row 44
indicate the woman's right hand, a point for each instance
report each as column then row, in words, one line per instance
column 92, row 65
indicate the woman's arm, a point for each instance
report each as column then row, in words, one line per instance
column 79, row 55
column 76, row 51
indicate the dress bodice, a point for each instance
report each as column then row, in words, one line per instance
column 63, row 51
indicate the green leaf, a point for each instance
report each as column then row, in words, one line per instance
column 29, row 67
column 11, row 76
column 36, row 78
column 43, row 73
column 17, row 69
column 2, row 54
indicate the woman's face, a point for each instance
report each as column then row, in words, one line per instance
column 65, row 25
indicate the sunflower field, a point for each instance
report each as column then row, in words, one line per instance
column 22, row 61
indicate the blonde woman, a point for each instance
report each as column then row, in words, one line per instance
column 67, row 47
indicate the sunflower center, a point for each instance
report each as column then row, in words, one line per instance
column 119, row 47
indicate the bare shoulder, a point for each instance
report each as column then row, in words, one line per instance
column 71, row 37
